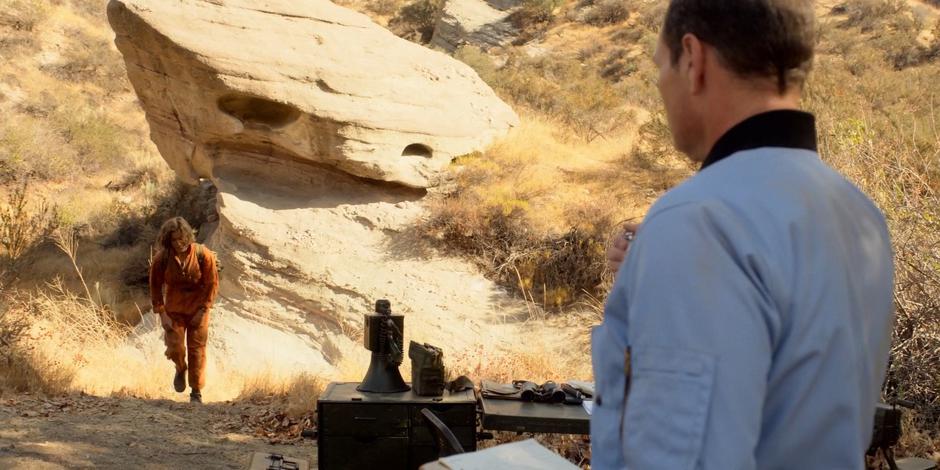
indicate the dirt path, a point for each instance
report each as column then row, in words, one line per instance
column 92, row 432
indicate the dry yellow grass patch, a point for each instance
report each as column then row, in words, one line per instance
column 539, row 206
column 298, row 394
column 543, row 172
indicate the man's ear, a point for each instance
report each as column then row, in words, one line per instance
column 693, row 62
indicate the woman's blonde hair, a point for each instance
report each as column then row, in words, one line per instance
column 176, row 224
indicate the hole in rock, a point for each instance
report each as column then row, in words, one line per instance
column 254, row 110
column 417, row 150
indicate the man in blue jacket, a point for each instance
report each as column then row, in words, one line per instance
column 749, row 325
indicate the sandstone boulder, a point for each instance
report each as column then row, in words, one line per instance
column 302, row 80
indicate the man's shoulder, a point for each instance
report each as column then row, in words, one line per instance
column 763, row 191
column 763, row 178
column 689, row 197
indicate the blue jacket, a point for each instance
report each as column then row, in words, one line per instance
column 749, row 326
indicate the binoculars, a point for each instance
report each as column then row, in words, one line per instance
column 549, row 392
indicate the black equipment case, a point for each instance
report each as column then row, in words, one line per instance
column 358, row 430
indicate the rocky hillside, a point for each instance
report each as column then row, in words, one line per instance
column 324, row 145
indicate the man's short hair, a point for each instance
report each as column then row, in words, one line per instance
column 754, row 38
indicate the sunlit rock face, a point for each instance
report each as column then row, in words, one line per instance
column 301, row 80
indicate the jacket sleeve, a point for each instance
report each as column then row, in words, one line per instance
column 210, row 277
column 157, row 279
column 700, row 342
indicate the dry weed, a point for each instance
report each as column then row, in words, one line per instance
column 296, row 396
column 54, row 334
column 23, row 223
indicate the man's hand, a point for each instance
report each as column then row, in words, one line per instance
column 165, row 320
column 618, row 249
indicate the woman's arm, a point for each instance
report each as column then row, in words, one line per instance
column 157, row 279
column 210, row 277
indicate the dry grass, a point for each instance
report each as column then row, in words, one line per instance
column 23, row 15
column 894, row 28
column 51, row 335
column 558, row 87
column 537, row 208
column 23, row 224
column 21, row 368
column 52, row 138
column 57, row 88
column 296, row 396
column 538, row 360
column 30, row 148
column 89, row 59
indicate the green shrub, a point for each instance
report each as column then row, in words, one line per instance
column 871, row 15
column 618, row 65
column 606, row 12
column 416, row 20
column 549, row 270
column 534, row 15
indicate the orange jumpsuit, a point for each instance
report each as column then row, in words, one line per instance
column 191, row 284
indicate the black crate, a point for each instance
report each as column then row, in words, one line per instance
column 386, row 430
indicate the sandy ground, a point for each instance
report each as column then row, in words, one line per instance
column 83, row 431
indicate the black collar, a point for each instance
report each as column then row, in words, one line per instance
column 783, row 128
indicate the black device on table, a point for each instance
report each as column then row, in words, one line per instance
column 382, row 422
column 360, row 430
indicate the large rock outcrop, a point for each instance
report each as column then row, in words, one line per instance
column 299, row 79
column 481, row 23
column 320, row 132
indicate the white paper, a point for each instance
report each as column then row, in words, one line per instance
column 588, row 406
column 524, row 455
